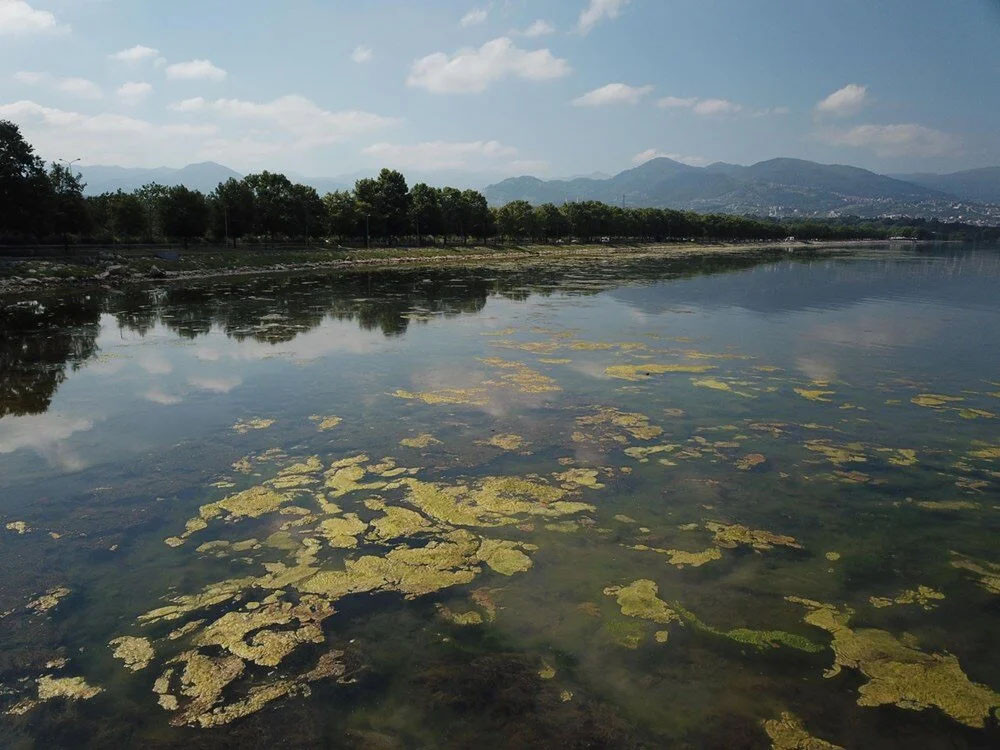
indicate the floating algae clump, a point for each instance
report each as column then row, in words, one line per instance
column 460, row 618
column 750, row 461
column 254, row 635
column 342, row 532
column 49, row 599
column 681, row 558
column 71, row 688
column 135, row 652
column 244, row 426
column 922, row 595
column 325, row 423
column 398, row 522
column 19, row 527
column 733, row 535
column 934, row 400
column 788, row 733
column 470, row 396
column 507, row 442
column 639, row 599
column 837, row 454
column 644, row 371
column 607, row 417
column 523, row 378
column 900, row 674
column 579, row 478
column 987, row 572
column 503, row 556
column 946, row 505
column 423, row 440
column 251, row 503
column 642, row 454
column 813, row 395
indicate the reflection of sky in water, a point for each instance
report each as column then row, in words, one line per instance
column 928, row 318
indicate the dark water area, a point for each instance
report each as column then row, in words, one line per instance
column 740, row 502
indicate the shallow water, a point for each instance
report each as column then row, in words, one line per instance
column 820, row 432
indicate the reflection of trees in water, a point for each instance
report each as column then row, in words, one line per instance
column 38, row 342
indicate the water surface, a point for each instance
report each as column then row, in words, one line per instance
column 641, row 502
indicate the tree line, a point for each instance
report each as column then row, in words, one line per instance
column 39, row 204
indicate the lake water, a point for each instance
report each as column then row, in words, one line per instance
column 644, row 502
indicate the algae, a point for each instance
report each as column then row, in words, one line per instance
column 135, row 652
column 730, row 536
column 648, row 369
column 423, row 440
column 924, row 596
column 788, row 733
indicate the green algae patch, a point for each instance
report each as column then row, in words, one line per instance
column 342, row 533
column 788, row 733
column 423, row 440
column 639, row 599
column 460, row 618
column 648, row 369
column 750, row 461
column 325, row 423
column 71, row 688
column 897, row 673
column 946, row 505
column 642, row 453
column 934, row 400
column 243, row 426
column 970, row 413
column 814, row 395
column 572, row 478
column 730, row 536
column 987, row 573
column 503, row 556
column 398, row 522
column 49, row 600
column 466, row 396
column 681, row 558
column 18, row 527
column 837, row 454
column 610, row 422
column 135, row 652
column 924, row 596
column 507, row 442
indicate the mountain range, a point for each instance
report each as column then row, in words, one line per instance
column 776, row 187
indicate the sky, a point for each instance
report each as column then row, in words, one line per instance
column 498, row 88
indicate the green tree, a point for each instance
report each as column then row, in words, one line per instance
column 475, row 215
column 274, row 199
column 516, row 220
column 68, row 209
column 128, row 217
column 342, row 214
column 551, row 222
column 233, row 209
column 308, row 212
column 425, row 210
column 25, row 190
column 185, row 213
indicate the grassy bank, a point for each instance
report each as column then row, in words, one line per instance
column 117, row 267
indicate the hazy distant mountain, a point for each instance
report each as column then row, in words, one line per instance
column 777, row 187
column 204, row 177
column 981, row 185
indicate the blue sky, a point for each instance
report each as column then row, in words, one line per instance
column 500, row 88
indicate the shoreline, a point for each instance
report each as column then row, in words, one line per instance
column 112, row 271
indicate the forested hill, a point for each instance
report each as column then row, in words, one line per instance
column 777, row 187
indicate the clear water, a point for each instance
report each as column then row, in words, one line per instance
column 117, row 416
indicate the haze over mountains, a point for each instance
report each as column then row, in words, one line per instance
column 776, row 187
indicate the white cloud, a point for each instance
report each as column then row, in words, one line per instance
column 156, row 364
column 906, row 139
column 196, row 70
column 133, row 92
column 474, row 17
column 80, row 87
column 612, row 93
column 134, row 54
column 103, row 138
column 846, row 101
column 362, row 54
column 215, row 385
column 653, row 153
column 472, row 70
column 538, row 28
column 676, row 102
column 597, row 11
column 703, row 107
column 17, row 17
column 159, row 397
column 442, row 154
column 293, row 115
